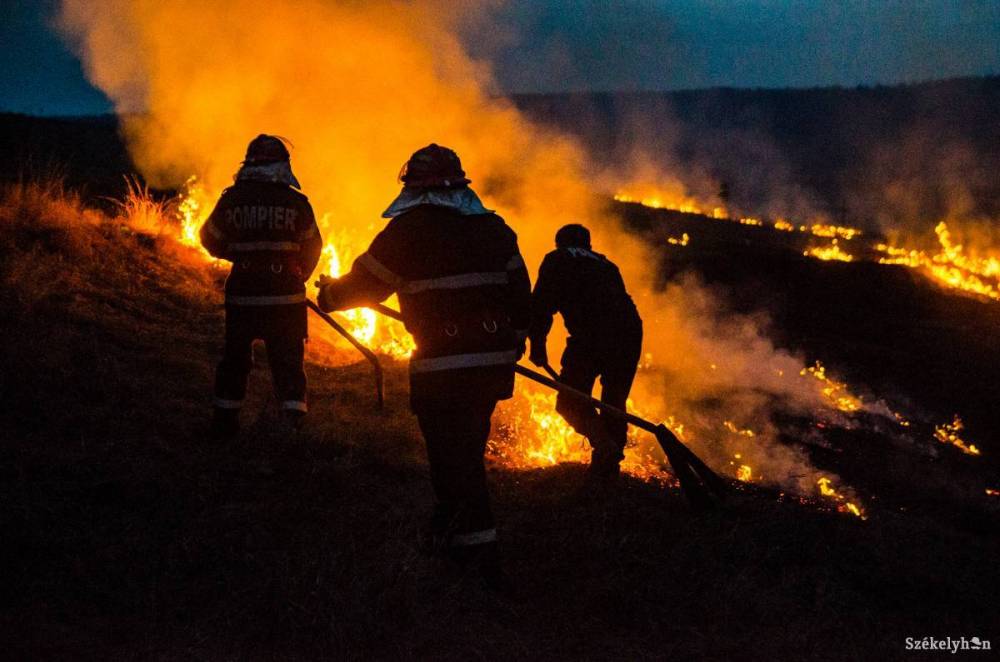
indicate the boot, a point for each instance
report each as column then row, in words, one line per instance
column 225, row 424
column 605, row 464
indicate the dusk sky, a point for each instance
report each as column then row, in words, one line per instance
column 549, row 45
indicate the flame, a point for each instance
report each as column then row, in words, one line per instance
column 683, row 241
column 831, row 252
column 827, row 490
column 834, row 391
column 950, row 265
column 363, row 112
column 193, row 203
column 948, row 434
column 991, row 492
column 673, row 200
column 533, row 436
column 832, row 231
column 746, row 432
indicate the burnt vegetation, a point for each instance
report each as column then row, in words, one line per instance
column 128, row 534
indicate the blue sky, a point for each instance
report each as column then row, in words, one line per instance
column 553, row 45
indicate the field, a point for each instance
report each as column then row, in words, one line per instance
column 130, row 535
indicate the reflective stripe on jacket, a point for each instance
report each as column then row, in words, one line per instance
column 464, row 293
column 269, row 233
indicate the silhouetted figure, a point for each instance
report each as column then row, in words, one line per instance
column 266, row 228
column 464, row 295
column 605, row 339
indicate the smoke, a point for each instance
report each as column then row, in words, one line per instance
column 544, row 46
column 891, row 161
column 357, row 87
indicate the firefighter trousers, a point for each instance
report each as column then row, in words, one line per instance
column 582, row 365
column 285, row 349
column 456, row 437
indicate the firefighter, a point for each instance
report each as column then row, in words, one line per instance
column 605, row 340
column 464, row 295
column 265, row 226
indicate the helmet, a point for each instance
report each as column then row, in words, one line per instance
column 573, row 235
column 433, row 166
column 266, row 149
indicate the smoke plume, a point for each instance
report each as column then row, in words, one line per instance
column 357, row 87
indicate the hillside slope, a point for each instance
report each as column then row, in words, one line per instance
column 129, row 535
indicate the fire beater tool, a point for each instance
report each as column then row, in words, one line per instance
column 552, row 372
column 702, row 486
column 368, row 354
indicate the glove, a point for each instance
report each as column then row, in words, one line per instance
column 327, row 297
column 324, row 280
column 539, row 356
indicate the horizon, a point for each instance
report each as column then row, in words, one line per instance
column 585, row 47
column 111, row 113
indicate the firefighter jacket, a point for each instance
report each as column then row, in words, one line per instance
column 268, row 231
column 588, row 290
column 464, row 295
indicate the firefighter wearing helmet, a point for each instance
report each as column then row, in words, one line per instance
column 265, row 226
column 464, row 295
column 605, row 340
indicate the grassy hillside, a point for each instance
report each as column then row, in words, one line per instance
column 129, row 535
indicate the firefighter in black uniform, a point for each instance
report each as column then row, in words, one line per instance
column 605, row 339
column 266, row 228
column 464, row 295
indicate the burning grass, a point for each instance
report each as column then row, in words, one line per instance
column 950, row 265
column 530, row 433
column 129, row 535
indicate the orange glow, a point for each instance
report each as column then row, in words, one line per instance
column 834, row 391
column 951, row 265
column 673, row 200
column 729, row 425
column 533, row 435
column 357, row 87
column 948, row 433
column 833, row 231
column 831, row 252
column 683, row 241
column 827, row 490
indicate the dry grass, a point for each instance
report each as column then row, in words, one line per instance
column 143, row 212
column 128, row 535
